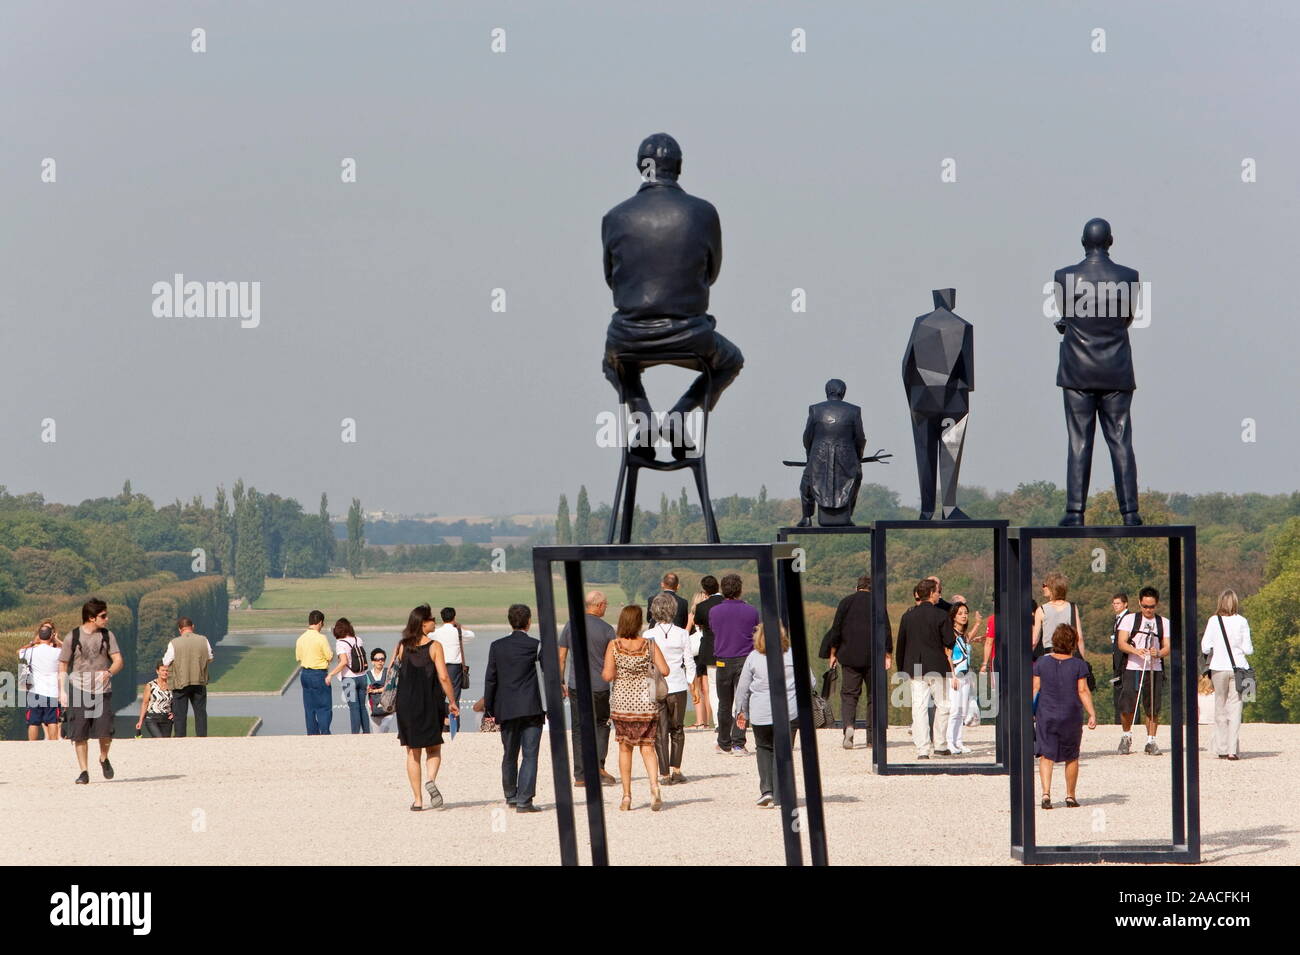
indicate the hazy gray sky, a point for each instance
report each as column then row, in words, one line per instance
column 479, row 170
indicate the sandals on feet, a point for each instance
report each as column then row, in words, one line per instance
column 1071, row 802
column 626, row 804
column 1047, row 802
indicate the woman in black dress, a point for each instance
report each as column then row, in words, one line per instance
column 423, row 692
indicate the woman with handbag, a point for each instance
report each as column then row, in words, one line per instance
column 424, row 695
column 675, row 645
column 635, row 668
column 1227, row 641
column 376, row 679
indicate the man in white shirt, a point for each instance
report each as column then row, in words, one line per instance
column 42, row 704
column 452, row 636
column 1146, row 640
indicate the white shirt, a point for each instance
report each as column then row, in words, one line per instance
column 675, row 644
column 44, row 660
column 1238, row 637
column 170, row 655
column 343, row 648
column 1143, row 637
column 450, row 640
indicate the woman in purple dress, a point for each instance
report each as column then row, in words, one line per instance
column 1061, row 686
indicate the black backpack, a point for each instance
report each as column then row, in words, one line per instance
column 76, row 642
column 356, row 656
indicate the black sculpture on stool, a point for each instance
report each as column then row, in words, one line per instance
column 939, row 375
column 663, row 250
column 834, row 441
column 1096, row 370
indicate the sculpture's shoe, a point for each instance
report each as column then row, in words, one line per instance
column 926, row 516
column 804, row 522
column 1132, row 520
column 957, row 514
column 1071, row 519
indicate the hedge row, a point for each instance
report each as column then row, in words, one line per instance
column 37, row 608
column 203, row 599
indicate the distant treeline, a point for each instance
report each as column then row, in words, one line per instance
column 426, row 533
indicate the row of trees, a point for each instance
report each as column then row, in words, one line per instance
column 48, row 548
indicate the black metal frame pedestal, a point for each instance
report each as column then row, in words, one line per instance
column 783, row 534
column 774, row 564
column 879, row 690
column 1185, row 845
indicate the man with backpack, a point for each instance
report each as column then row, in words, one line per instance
column 88, row 660
column 1146, row 641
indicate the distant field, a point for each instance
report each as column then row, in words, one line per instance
column 384, row 600
column 124, row 726
column 250, row 669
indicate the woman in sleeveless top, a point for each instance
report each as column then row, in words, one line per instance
column 1052, row 614
column 423, row 695
column 156, row 705
column 632, row 704
column 962, row 680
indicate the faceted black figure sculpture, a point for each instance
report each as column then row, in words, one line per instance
column 663, row 250
column 939, row 375
column 834, row 440
column 1095, row 300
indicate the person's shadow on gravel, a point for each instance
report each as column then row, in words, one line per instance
column 1246, row 842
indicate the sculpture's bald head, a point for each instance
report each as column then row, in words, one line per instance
column 660, row 154
column 835, row 389
column 1096, row 234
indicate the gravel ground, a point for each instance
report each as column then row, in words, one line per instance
column 286, row 800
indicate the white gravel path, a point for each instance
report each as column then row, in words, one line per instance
column 285, row 800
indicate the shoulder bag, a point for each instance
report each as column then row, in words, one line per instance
column 387, row 703
column 464, row 666
column 1244, row 676
column 1092, row 679
column 658, row 683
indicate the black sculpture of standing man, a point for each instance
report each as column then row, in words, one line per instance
column 663, row 250
column 939, row 375
column 834, row 440
column 1096, row 370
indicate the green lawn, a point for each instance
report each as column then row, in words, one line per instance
column 385, row 600
column 250, row 669
column 124, row 726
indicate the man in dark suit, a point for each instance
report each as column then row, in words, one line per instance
column 512, row 694
column 923, row 636
column 662, row 252
column 1095, row 299
column 670, row 583
column 834, row 440
column 850, row 647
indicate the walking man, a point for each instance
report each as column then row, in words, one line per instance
column 452, row 636
column 733, row 623
column 188, row 655
column 599, row 634
column 314, row 656
column 1146, row 640
column 924, row 635
column 1118, row 658
column 850, row 647
column 89, row 659
column 670, row 584
column 512, row 694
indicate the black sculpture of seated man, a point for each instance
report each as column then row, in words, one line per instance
column 663, row 250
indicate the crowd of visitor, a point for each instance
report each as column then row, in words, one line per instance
column 641, row 673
